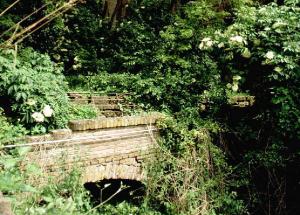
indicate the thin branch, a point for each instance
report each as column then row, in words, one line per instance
column 15, row 55
column 102, row 203
column 32, row 26
column 42, row 25
column 25, row 18
column 54, row 13
column 10, row 6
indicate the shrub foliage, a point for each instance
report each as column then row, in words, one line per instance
column 33, row 90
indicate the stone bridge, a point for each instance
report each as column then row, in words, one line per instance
column 105, row 148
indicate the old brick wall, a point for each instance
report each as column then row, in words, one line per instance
column 106, row 148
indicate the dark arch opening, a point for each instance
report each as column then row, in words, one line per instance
column 132, row 191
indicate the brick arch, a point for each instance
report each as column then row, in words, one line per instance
column 104, row 148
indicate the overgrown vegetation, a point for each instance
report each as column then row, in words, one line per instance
column 190, row 175
column 33, row 191
column 9, row 132
column 187, row 59
column 33, row 90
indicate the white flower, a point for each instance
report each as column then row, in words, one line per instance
column 236, row 77
column 237, row 38
column 235, row 88
column 263, row 9
column 278, row 69
column 206, row 39
column 206, row 43
column 38, row 117
column 47, row 111
column 270, row 55
column 209, row 43
column 76, row 59
column 201, row 46
column 246, row 53
column 218, row 32
column 202, row 107
column 76, row 66
column 221, row 45
column 31, row 102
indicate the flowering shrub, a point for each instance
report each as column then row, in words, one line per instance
column 33, row 90
column 262, row 49
column 259, row 55
column 38, row 117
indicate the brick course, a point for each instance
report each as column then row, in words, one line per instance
column 106, row 148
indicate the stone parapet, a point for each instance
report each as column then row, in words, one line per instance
column 114, row 122
column 241, row 101
column 79, row 126
column 104, row 148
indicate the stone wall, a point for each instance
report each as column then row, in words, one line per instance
column 106, row 148
column 241, row 101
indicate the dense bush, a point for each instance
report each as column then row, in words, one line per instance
column 9, row 132
column 82, row 112
column 190, row 174
column 164, row 67
column 260, row 55
column 262, row 49
column 178, row 59
column 33, row 191
column 33, row 90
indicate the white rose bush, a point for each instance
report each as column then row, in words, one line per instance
column 37, row 91
column 39, row 117
column 262, row 48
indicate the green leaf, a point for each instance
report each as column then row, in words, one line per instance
column 23, row 150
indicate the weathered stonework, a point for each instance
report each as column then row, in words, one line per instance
column 61, row 133
column 93, row 124
column 106, row 148
column 241, row 101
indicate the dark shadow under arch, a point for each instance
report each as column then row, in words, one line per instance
column 132, row 191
